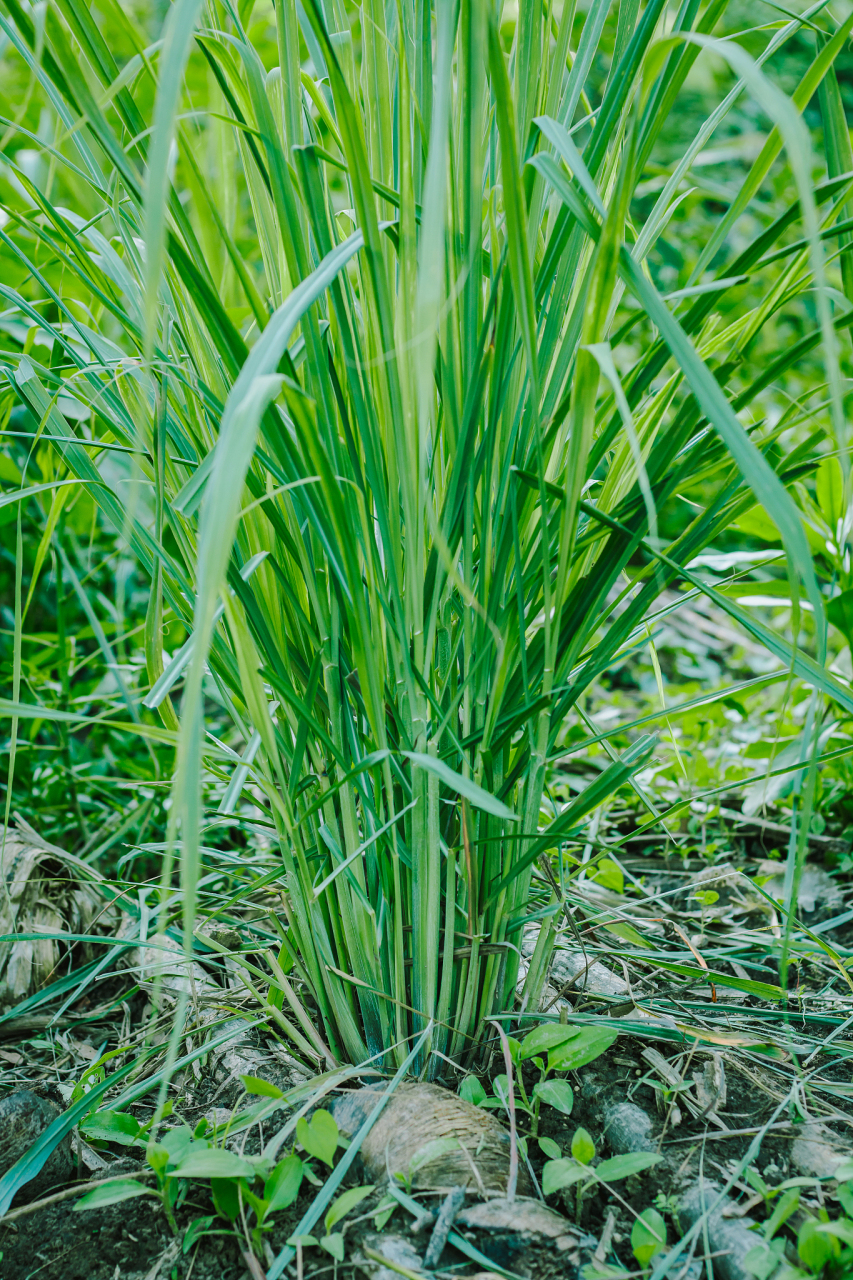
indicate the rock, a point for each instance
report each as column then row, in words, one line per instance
column 524, row 1217
column 221, row 935
column 729, row 1238
column 819, row 895
column 585, row 973
column 818, row 1152
column 241, row 1056
column 628, row 1128
column 418, row 1114
column 24, row 1116
column 568, row 966
column 523, row 1233
column 163, row 957
column 248, row 1054
column 394, row 1249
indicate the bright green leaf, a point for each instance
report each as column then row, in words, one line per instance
column 214, row 1162
column 586, row 1047
column 282, row 1186
column 583, row 1147
column 111, row 1193
column 319, row 1137
column 557, row 1094
column 648, row 1236
column 344, row 1203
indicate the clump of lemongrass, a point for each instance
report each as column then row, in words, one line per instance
column 360, row 294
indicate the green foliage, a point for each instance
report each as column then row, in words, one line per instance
column 472, row 1090
column 648, row 1236
column 181, row 1156
column 566, row 1172
column 112, row 1193
column 566, row 1047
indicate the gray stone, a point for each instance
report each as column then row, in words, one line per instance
column 24, row 1116
column 628, row 1128
column 729, row 1238
column 394, row 1249
column 818, row 1152
column 523, row 1216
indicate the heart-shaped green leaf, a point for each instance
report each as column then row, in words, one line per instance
column 177, row 1142
column 648, row 1236
column 334, row 1244
column 345, row 1203
column 549, row 1148
column 111, row 1126
column 626, row 1166
column 262, row 1088
column 319, row 1137
column 562, row 1173
column 545, row 1037
column 472, row 1091
column 583, row 1147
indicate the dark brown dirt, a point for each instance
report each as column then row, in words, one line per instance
column 132, row 1241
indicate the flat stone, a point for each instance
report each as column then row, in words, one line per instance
column 523, row 1216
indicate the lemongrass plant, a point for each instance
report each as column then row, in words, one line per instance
column 370, row 302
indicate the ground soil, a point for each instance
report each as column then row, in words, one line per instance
column 132, row 1241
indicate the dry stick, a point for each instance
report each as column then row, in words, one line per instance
column 69, row 1193
column 702, row 962
column 512, row 1181
column 441, row 1230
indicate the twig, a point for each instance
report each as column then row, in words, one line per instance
column 732, row 1133
column 702, row 962
column 603, row 1247
column 441, row 1230
column 69, row 1194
